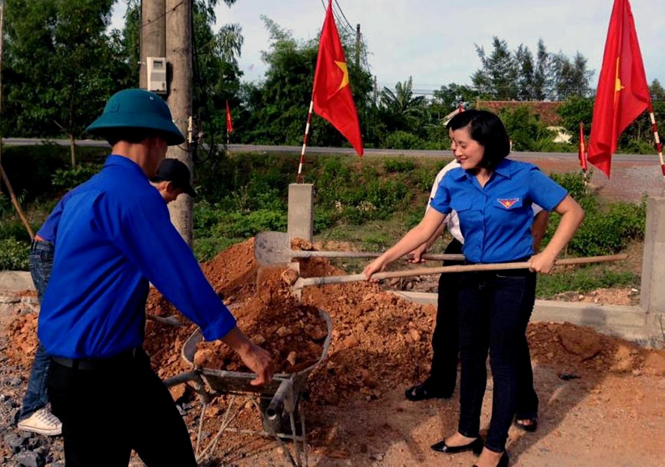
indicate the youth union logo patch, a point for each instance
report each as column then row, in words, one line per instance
column 508, row 203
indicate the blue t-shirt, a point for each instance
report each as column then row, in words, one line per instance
column 496, row 220
column 114, row 236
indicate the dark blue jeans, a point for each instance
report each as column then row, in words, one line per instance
column 36, row 397
column 445, row 340
column 494, row 310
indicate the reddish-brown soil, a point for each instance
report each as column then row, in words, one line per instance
column 598, row 394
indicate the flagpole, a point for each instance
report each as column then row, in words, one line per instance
column 582, row 155
column 299, row 179
column 659, row 146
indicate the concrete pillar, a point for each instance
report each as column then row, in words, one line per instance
column 653, row 263
column 301, row 211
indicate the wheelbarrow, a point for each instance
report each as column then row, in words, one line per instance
column 277, row 402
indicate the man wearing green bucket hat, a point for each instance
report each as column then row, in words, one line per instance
column 114, row 237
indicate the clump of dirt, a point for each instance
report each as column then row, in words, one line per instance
column 23, row 335
column 293, row 333
column 301, row 244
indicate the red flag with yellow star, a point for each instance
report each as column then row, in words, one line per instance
column 332, row 94
column 623, row 93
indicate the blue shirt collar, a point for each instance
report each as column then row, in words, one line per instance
column 124, row 162
column 504, row 169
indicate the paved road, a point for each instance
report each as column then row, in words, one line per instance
column 322, row 150
column 633, row 175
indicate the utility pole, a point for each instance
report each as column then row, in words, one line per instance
column 153, row 35
column 376, row 91
column 358, row 45
column 179, row 56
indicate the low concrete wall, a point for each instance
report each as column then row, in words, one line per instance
column 628, row 322
column 15, row 281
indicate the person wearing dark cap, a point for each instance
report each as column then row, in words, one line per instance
column 172, row 179
column 114, row 238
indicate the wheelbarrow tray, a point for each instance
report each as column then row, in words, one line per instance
column 235, row 382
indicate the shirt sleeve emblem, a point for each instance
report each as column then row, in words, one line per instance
column 508, row 203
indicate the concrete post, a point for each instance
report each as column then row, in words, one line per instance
column 301, row 211
column 653, row 263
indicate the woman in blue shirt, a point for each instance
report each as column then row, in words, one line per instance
column 492, row 196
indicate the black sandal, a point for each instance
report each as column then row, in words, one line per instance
column 530, row 428
column 419, row 392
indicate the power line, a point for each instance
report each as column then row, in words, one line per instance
column 170, row 10
column 344, row 16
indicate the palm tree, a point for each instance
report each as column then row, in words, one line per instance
column 402, row 108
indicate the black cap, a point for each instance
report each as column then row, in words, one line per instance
column 176, row 172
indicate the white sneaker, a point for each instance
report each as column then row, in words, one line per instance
column 42, row 422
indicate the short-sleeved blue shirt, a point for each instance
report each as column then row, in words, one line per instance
column 496, row 219
column 114, row 236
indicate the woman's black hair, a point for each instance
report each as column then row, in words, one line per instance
column 488, row 130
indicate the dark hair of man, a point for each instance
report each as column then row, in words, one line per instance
column 488, row 130
column 130, row 135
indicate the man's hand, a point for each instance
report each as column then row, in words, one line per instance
column 253, row 356
column 257, row 360
column 416, row 255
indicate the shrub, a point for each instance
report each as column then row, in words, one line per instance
column 245, row 225
column 403, row 140
column 573, row 182
column 399, row 164
column 70, row 178
column 608, row 231
column 14, row 255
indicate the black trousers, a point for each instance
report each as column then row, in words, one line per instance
column 445, row 342
column 121, row 406
column 494, row 310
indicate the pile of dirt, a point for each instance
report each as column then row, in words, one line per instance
column 291, row 332
column 379, row 342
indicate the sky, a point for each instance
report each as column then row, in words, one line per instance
column 434, row 41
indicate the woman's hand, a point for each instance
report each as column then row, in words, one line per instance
column 416, row 255
column 542, row 263
column 375, row 266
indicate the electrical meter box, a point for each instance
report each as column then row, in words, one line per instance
column 156, row 74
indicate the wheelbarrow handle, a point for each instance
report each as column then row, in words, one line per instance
column 304, row 282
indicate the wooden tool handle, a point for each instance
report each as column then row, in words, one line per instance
column 446, row 269
column 363, row 254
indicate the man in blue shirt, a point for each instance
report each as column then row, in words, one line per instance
column 114, row 237
column 172, row 179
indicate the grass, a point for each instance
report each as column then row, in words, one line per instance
column 584, row 279
column 368, row 203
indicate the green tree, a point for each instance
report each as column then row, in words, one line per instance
column 656, row 90
column 517, row 75
column 497, row 79
column 576, row 109
column 402, row 110
column 572, row 76
column 62, row 66
column 276, row 109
